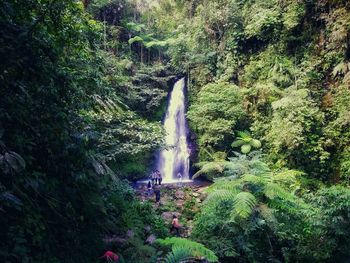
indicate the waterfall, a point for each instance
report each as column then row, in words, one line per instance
column 174, row 158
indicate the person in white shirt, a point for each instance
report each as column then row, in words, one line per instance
column 179, row 177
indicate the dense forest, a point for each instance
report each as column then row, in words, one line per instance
column 84, row 88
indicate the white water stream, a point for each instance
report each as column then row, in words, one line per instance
column 175, row 158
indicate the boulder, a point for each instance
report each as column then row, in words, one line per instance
column 179, row 194
column 195, row 194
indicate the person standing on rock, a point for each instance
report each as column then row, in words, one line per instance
column 179, row 177
column 175, row 225
column 157, row 193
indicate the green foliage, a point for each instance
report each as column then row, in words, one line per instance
column 243, row 205
column 246, row 142
column 251, row 202
column 293, row 135
column 184, row 250
column 215, row 113
column 261, row 20
column 65, row 122
column 210, row 169
column 77, row 114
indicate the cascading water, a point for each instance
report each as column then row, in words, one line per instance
column 175, row 158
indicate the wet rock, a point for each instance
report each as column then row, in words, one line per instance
column 179, row 194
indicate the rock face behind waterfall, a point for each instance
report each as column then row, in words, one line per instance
column 174, row 158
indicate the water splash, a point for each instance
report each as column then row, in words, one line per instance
column 175, row 158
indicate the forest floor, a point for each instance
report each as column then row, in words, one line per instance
column 183, row 201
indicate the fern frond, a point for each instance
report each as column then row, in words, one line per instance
column 287, row 176
column 210, row 168
column 219, row 196
column 183, row 249
column 243, row 205
column 178, row 254
column 232, row 185
column 253, row 179
column 273, row 190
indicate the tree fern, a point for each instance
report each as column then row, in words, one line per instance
column 287, row 178
column 253, row 179
column 225, row 184
column 184, row 249
column 246, row 164
column 178, row 254
column 210, row 169
column 243, row 205
column 273, row 190
column 219, row 196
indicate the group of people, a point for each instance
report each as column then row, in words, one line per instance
column 154, row 185
column 156, row 177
